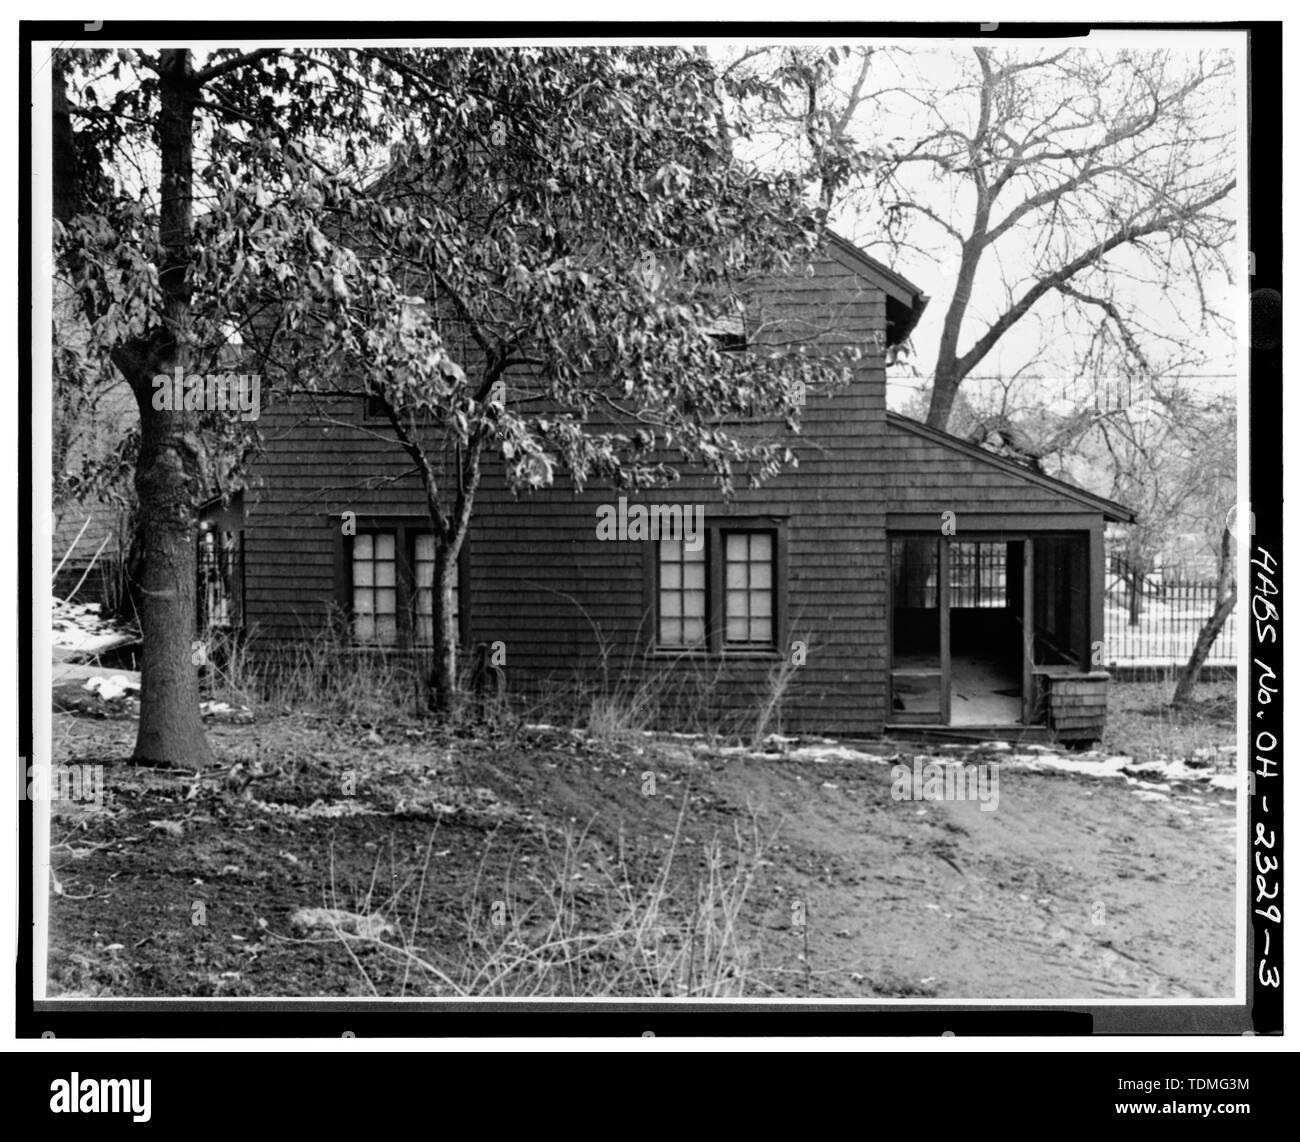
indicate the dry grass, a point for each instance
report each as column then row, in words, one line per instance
column 229, row 675
column 1140, row 722
column 578, row 920
column 766, row 715
column 583, row 924
column 328, row 674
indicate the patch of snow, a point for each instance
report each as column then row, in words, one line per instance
column 78, row 627
column 225, row 712
column 337, row 920
column 317, row 808
column 832, row 753
column 1060, row 763
column 112, row 688
column 1108, row 767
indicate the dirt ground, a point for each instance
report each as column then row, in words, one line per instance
column 1076, row 886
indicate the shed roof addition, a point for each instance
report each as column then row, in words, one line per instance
column 1110, row 509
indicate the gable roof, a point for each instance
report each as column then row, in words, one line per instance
column 904, row 302
column 1115, row 512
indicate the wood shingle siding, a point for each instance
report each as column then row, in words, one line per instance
column 574, row 610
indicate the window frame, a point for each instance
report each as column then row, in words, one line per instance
column 371, row 412
column 398, row 588
column 681, row 648
column 413, row 537
column 715, row 642
column 405, row 530
column 724, row 535
column 730, row 340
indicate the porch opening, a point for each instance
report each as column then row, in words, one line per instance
column 917, row 670
column 980, row 624
column 987, row 644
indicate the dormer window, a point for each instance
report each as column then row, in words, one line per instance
column 376, row 408
column 728, row 332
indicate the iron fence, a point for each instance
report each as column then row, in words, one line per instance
column 1153, row 621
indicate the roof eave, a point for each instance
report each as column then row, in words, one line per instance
column 903, row 326
column 904, row 301
column 1109, row 509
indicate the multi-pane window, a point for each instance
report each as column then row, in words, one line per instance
column 721, row 597
column 391, row 587
column 374, row 587
column 748, row 588
column 423, row 559
column 682, row 594
column 978, row 574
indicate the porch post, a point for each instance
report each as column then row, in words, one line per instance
column 945, row 642
column 1096, row 596
column 1027, row 650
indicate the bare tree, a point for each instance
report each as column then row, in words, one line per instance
column 1225, row 601
column 1079, row 184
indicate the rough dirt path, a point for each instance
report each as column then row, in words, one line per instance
column 1072, row 888
column 1075, row 887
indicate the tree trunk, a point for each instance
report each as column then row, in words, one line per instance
column 1226, row 594
column 942, row 397
column 443, row 691
column 949, row 370
column 171, row 731
column 66, row 181
column 1134, row 598
column 169, row 470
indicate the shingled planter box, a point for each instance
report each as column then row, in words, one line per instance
column 1076, row 705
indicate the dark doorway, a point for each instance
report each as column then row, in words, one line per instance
column 976, row 621
column 919, row 669
column 987, row 647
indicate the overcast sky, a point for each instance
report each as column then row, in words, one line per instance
column 1041, row 341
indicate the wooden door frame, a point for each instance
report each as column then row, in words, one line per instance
column 941, row 602
column 1027, row 628
column 943, row 596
